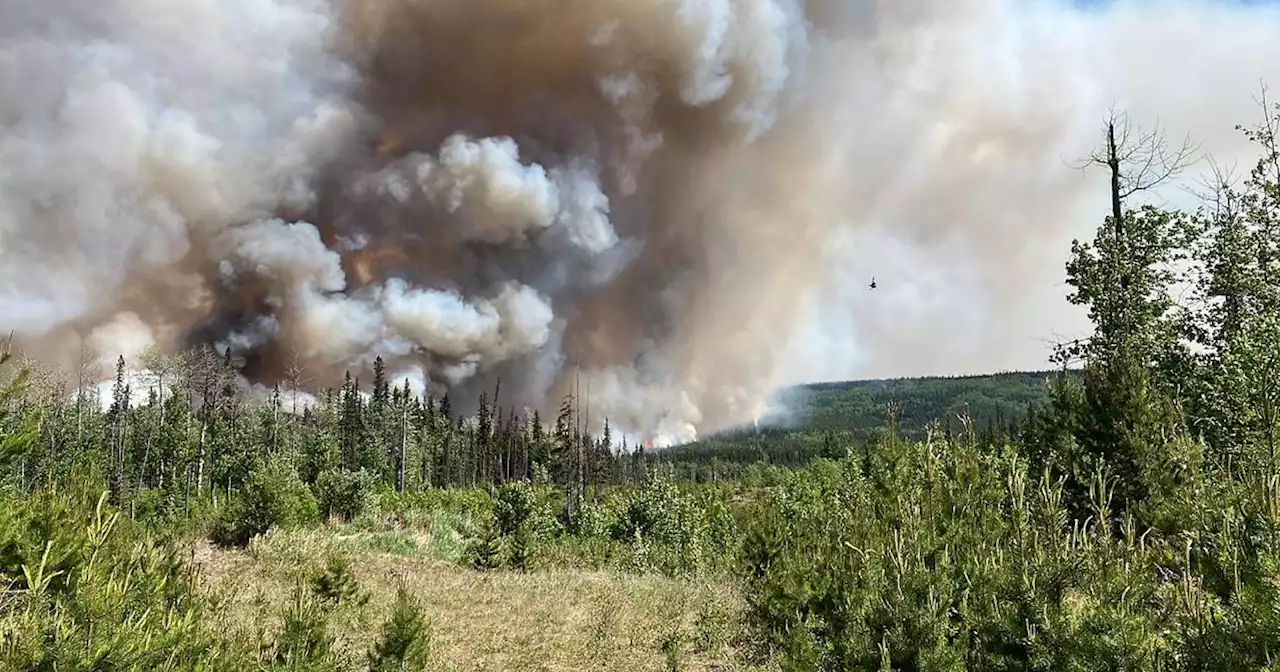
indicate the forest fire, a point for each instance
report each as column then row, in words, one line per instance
column 367, row 264
column 390, row 142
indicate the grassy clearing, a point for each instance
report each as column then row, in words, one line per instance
column 551, row 619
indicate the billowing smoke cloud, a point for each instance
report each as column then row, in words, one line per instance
column 674, row 205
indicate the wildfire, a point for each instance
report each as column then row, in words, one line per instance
column 365, row 263
column 389, row 143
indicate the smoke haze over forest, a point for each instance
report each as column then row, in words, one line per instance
column 680, row 201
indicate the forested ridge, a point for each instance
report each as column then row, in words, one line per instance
column 999, row 399
column 1125, row 516
column 825, row 419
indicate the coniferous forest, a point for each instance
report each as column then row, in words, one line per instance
column 1122, row 513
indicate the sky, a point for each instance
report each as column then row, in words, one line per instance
column 970, row 274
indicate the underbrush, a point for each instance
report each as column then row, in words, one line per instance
column 88, row 588
column 942, row 556
column 657, row 527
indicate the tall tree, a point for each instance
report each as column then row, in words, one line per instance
column 1237, row 409
column 118, row 419
column 1135, row 359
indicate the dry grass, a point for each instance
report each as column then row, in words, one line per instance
column 552, row 619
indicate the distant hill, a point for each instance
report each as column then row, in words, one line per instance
column 864, row 404
column 857, row 413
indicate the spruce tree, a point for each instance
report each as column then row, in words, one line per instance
column 118, row 418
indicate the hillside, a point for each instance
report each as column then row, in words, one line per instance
column 864, row 404
column 856, row 413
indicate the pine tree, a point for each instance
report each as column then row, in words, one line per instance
column 118, row 422
column 381, row 389
column 146, row 421
column 565, row 465
column 446, row 410
column 383, row 458
column 539, row 455
column 402, row 448
column 482, row 435
column 562, row 444
column 405, row 643
column 446, row 460
column 354, row 431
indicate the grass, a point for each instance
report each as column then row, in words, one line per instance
column 551, row 619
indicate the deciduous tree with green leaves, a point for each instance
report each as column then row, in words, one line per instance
column 1136, row 358
column 1238, row 299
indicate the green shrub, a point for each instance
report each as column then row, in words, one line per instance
column 92, row 591
column 47, row 530
column 521, row 507
column 945, row 556
column 522, row 550
column 674, row 530
column 170, row 512
column 405, row 641
column 413, row 507
column 593, row 519
column 395, row 543
column 336, row 584
column 653, row 511
column 343, row 494
column 447, row 536
column 593, row 553
column 305, row 641
column 272, row 497
column 486, row 549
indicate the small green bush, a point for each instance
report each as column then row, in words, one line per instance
column 448, row 538
column 405, row 642
column 593, row 519
column 653, row 511
column 336, row 584
column 414, row 507
column 90, row 590
column 343, row 494
column 305, row 641
column 487, row 548
column 395, row 543
column 272, row 497
column 521, row 507
column 522, row 550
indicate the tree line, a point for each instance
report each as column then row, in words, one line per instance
column 199, row 436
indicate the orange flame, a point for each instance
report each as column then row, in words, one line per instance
column 389, row 143
column 365, row 263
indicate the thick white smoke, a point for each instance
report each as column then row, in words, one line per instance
column 970, row 118
column 675, row 205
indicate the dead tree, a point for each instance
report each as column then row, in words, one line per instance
column 1136, row 160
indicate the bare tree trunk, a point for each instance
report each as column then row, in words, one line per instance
column 275, row 427
column 1113, row 162
column 404, row 439
column 204, row 425
column 1269, row 413
column 80, row 410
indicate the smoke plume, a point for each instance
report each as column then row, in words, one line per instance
column 672, row 205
